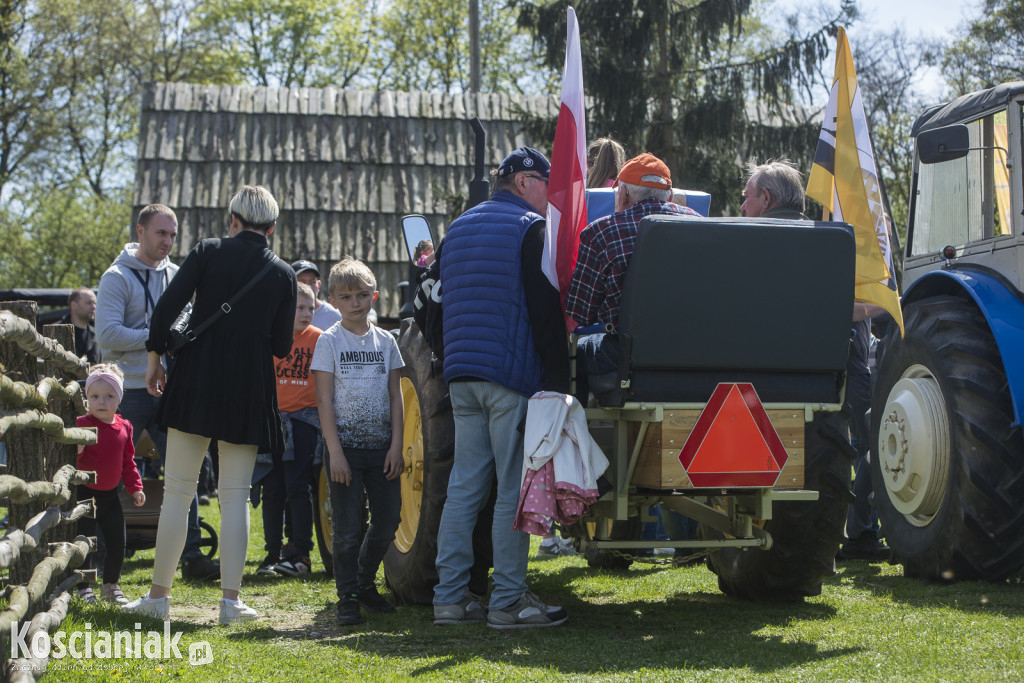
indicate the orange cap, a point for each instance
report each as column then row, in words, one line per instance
column 645, row 165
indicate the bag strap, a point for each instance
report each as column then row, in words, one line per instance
column 227, row 305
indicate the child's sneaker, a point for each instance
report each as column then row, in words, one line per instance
column 152, row 607
column 526, row 612
column 373, row 601
column 235, row 612
column 465, row 611
column 87, row 596
column 266, row 567
column 348, row 611
column 111, row 592
column 294, row 566
column 555, row 547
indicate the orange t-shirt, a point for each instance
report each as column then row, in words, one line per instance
column 295, row 388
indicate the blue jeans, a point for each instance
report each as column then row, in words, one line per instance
column 139, row 407
column 356, row 566
column 291, row 481
column 487, row 444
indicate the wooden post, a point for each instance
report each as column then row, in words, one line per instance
column 58, row 455
column 26, row 448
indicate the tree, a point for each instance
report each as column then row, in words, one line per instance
column 888, row 65
column 313, row 43
column 27, row 84
column 673, row 78
column 425, row 47
column 62, row 238
column 987, row 51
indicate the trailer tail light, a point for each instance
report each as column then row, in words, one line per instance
column 733, row 443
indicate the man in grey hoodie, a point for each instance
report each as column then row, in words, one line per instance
column 127, row 295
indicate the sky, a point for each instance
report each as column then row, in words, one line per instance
column 918, row 18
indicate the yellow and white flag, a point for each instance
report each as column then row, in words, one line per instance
column 844, row 180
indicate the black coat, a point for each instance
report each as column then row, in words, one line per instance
column 223, row 384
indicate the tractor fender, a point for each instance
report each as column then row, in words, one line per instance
column 1001, row 305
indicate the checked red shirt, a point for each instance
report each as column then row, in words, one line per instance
column 606, row 246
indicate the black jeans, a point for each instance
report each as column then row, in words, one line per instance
column 109, row 517
column 291, row 481
column 356, row 565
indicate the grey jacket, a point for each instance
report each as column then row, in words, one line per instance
column 123, row 312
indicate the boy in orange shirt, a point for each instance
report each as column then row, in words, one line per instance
column 291, row 479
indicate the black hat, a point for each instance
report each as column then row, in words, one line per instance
column 303, row 266
column 525, row 159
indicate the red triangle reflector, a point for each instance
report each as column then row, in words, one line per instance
column 733, row 443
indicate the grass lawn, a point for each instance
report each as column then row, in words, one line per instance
column 650, row 623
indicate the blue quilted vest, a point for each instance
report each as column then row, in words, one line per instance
column 487, row 331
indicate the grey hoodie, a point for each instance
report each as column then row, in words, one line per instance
column 123, row 312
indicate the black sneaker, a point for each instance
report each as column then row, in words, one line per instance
column 266, row 567
column 294, row 566
column 374, row 601
column 348, row 612
column 864, row 548
column 200, row 568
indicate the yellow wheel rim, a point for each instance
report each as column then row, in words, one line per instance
column 412, row 477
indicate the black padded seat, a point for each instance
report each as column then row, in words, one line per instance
column 714, row 300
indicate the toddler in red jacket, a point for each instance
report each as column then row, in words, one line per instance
column 112, row 457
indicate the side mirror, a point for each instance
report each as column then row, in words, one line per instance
column 418, row 238
column 943, row 144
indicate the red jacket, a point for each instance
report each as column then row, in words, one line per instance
column 112, row 457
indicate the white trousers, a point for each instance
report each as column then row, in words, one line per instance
column 185, row 454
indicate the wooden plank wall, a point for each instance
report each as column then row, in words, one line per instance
column 344, row 165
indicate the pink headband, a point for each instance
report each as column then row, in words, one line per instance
column 110, row 378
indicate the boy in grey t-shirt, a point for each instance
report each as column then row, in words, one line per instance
column 356, row 371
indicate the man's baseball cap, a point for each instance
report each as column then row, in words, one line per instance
column 646, row 164
column 525, row 159
column 303, row 266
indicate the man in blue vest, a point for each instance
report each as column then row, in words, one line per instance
column 504, row 340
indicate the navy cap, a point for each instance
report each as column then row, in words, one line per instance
column 303, row 266
column 525, row 159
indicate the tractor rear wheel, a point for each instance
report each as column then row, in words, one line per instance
column 429, row 451
column 949, row 476
column 805, row 534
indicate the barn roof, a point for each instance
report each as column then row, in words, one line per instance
column 344, row 165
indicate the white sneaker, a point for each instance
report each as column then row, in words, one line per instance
column 235, row 613
column 153, row 607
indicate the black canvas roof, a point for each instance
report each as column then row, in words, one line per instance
column 967, row 107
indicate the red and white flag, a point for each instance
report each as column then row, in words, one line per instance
column 567, row 202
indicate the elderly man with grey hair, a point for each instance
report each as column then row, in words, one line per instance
column 643, row 187
column 774, row 189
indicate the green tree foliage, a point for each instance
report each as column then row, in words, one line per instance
column 293, row 42
column 27, row 85
column 887, row 67
column 62, row 238
column 988, row 49
column 425, row 46
column 674, row 78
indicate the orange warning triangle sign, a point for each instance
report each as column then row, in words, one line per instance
column 733, row 442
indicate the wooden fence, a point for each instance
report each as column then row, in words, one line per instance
column 40, row 550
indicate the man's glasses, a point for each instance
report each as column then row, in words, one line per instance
column 535, row 177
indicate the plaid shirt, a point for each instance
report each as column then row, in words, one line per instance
column 606, row 246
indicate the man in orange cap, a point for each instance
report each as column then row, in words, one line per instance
column 642, row 188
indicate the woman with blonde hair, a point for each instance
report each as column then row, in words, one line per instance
column 223, row 387
column 605, row 158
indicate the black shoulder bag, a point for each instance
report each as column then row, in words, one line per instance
column 179, row 335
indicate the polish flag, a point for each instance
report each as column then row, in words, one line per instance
column 567, row 203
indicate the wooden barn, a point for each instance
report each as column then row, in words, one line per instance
column 344, row 165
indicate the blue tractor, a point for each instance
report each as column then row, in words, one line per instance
column 948, row 462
